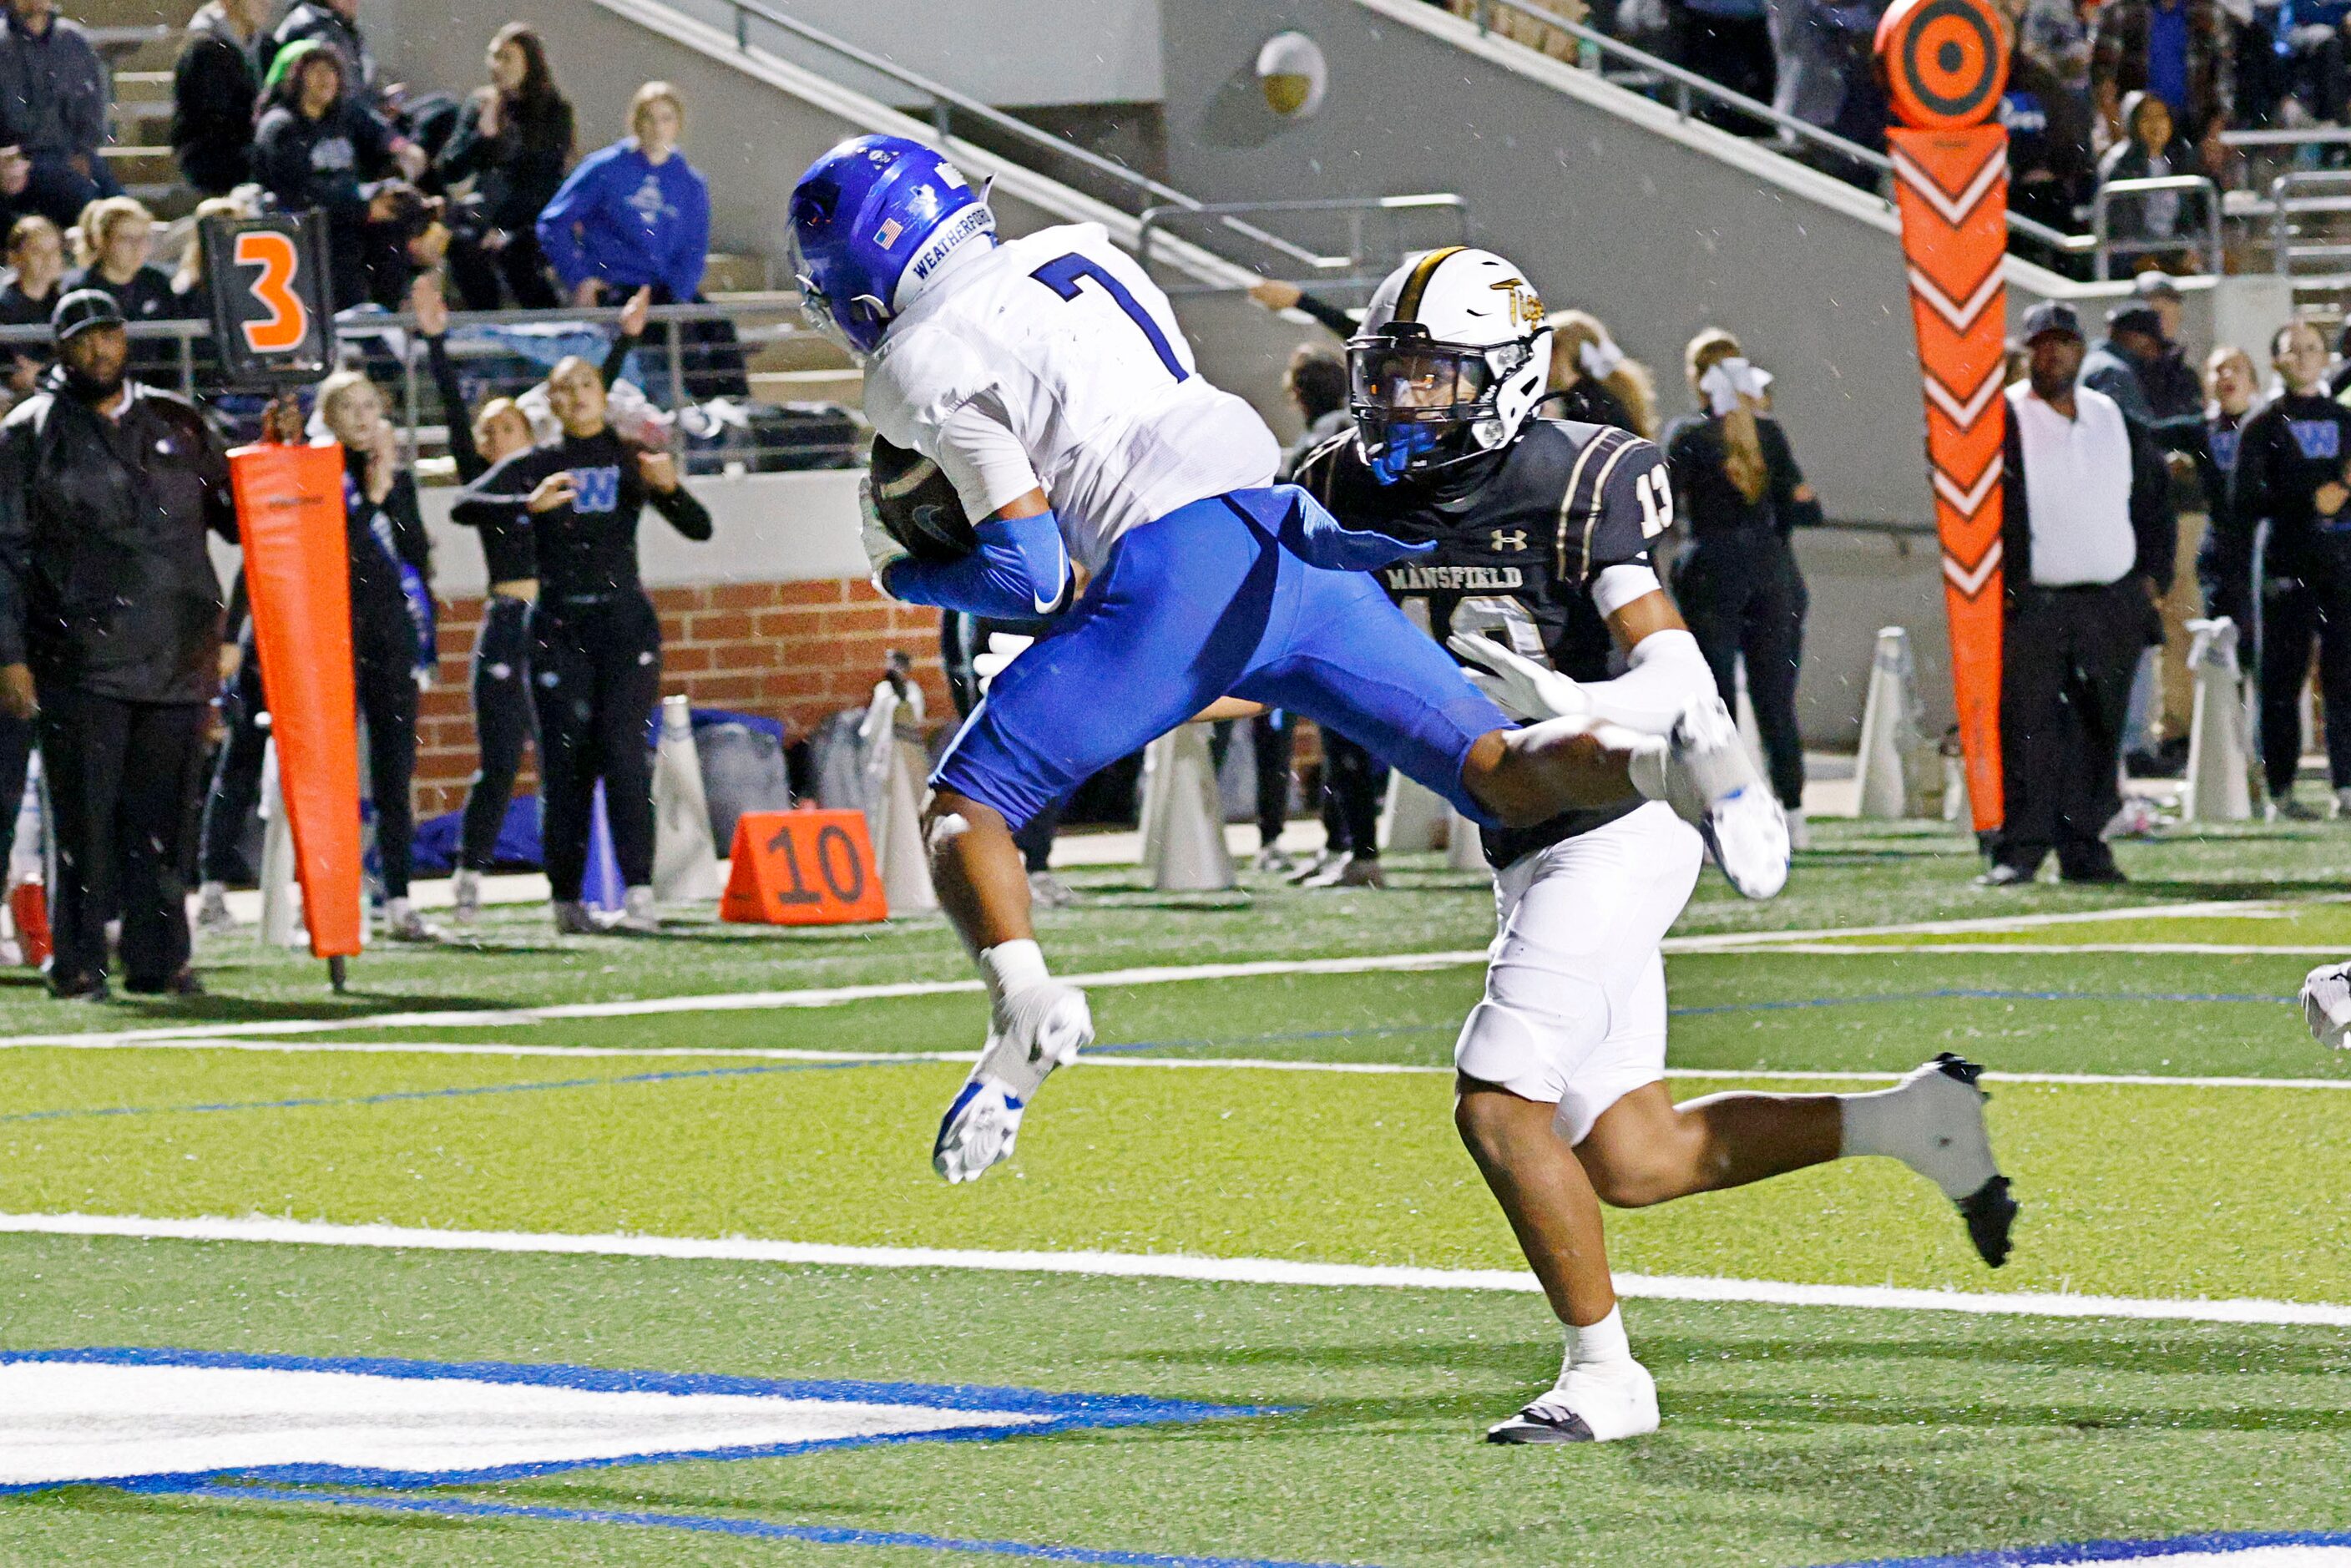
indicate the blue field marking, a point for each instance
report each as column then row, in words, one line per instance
column 2115, row 1550
column 1974, row 994
column 1044, row 1412
column 387, row 1097
column 755, row 1529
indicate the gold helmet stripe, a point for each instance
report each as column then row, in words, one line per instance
column 1408, row 301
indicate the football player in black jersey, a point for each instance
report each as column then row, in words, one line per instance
column 1541, row 573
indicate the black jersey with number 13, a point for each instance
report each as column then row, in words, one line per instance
column 1521, row 540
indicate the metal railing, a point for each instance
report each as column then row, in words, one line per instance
column 946, row 104
column 1350, row 268
column 2107, row 246
column 387, row 345
column 2329, row 192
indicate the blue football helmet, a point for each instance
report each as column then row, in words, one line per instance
column 873, row 221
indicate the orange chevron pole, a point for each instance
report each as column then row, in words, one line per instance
column 1946, row 65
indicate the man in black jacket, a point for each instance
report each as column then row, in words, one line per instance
column 2087, row 542
column 109, row 623
column 214, row 85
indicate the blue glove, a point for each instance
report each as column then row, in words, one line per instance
column 1317, row 538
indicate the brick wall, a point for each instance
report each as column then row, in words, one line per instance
column 794, row 650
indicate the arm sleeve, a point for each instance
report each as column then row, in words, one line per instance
column 1329, row 316
column 1664, row 673
column 2152, row 518
column 409, row 535
column 505, row 487
column 683, row 510
column 983, row 459
column 1019, row 572
column 468, row 456
column 616, row 358
column 569, row 206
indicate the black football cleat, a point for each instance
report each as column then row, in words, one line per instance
column 1990, row 1212
column 1537, row 1425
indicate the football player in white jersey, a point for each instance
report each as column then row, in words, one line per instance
column 1048, row 379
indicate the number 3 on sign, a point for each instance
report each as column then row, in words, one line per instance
column 288, row 321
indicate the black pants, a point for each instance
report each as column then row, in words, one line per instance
column 1273, row 736
column 1744, row 595
column 502, row 724
column 1352, row 782
column 595, row 674
column 2068, row 657
column 486, row 278
column 386, row 689
column 962, row 636
column 120, row 777
column 2293, row 615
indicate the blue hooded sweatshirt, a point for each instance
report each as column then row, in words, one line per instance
column 629, row 221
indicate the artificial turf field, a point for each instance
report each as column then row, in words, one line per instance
column 1310, row 1130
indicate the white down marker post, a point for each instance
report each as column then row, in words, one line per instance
column 2219, row 789
column 1889, row 733
column 685, row 861
column 1183, row 814
column 890, row 739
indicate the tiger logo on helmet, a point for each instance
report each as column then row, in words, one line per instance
column 1453, row 355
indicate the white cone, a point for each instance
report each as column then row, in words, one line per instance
column 1885, row 767
column 1415, row 817
column 685, row 861
column 2219, row 789
column 1464, row 849
column 28, row 852
column 281, row 899
column 1151, row 798
column 1188, row 846
column 894, row 760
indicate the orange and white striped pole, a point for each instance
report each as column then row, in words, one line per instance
column 1946, row 66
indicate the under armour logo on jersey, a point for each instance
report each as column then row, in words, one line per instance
column 2318, row 438
column 595, row 489
column 1516, row 538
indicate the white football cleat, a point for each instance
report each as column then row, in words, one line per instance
column 1031, row 1032
column 1590, row 1404
column 2327, row 1005
column 1747, row 834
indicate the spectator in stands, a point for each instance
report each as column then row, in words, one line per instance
column 2294, row 473
column 2152, row 148
column 316, row 147
column 2133, row 365
column 2176, row 49
column 335, row 24
column 2047, row 112
column 1726, row 41
column 634, row 214
column 37, row 262
column 113, row 243
column 514, row 142
column 55, row 93
column 2310, row 48
column 215, row 90
column 1593, row 381
column 2088, row 542
column 1276, row 294
column 1739, row 492
column 16, row 179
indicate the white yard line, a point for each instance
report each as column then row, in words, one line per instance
column 2244, row 909
column 2199, row 949
column 1169, row 1266
column 1118, row 1059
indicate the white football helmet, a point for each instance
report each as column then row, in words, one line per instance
column 1452, row 356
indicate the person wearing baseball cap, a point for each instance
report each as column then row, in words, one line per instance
column 110, row 627
column 2087, row 540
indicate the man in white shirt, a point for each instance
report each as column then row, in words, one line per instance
column 2087, row 543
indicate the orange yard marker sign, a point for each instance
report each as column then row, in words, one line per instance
column 802, row 868
column 290, row 509
column 1946, row 67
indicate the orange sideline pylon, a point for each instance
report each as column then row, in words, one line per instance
column 289, row 508
column 1946, row 66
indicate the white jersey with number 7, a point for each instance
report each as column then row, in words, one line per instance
column 1061, row 339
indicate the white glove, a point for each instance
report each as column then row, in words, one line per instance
column 881, row 549
column 1518, row 685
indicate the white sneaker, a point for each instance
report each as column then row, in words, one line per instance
column 1031, row 1032
column 1590, row 1404
column 212, row 908
column 401, row 923
column 465, row 896
column 638, row 914
column 572, row 919
column 2327, row 1005
column 1800, row 831
column 1271, row 858
column 1933, row 1121
column 1050, row 892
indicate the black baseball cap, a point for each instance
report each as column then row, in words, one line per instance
column 2051, row 315
column 82, row 309
column 2134, row 316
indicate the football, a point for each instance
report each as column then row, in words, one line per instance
column 918, row 505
